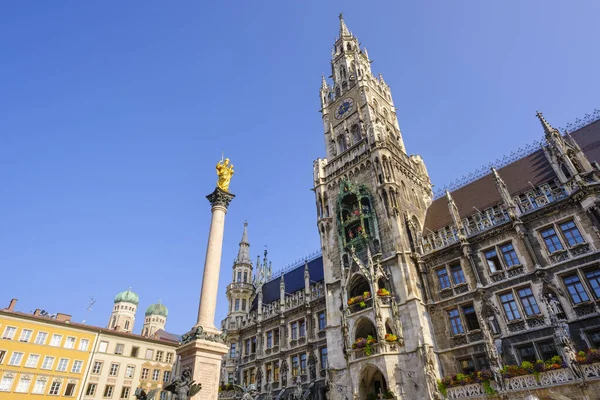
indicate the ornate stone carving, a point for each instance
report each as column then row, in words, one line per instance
column 220, row 198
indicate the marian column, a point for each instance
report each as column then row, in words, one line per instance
column 203, row 347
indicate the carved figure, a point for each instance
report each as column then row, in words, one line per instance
column 497, row 372
column 431, row 373
column 571, row 360
column 183, row 387
column 224, row 172
column 298, row 390
column 248, row 392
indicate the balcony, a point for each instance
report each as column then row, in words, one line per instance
column 528, row 383
column 361, row 305
column 572, row 252
column 375, row 349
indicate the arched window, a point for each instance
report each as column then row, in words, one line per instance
column 127, row 325
column 343, row 72
column 114, row 322
column 375, row 105
column 349, row 46
column 338, row 93
column 245, row 277
column 243, row 304
column 341, row 143
column 565, row 171
column 355, row 131
column 404, row 192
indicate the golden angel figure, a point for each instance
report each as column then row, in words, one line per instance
column 225, row 172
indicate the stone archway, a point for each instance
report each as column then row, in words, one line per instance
column 372, row 382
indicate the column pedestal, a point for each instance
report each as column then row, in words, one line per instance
column 204, row 358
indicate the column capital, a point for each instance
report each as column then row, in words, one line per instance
column 220, row 198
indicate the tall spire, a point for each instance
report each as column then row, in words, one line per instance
column 511, row 207
column 548, row 129
column 343, row 28
column 323, row 82
column 243, row 256
column 455, row 216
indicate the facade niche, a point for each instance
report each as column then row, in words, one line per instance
column 356, row 216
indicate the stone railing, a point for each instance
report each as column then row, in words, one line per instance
column 354, row 308
column 376, row 349
column 572, row 252
column 526, row 382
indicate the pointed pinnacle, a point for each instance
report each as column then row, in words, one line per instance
column 343, row 28
column 547, row 127
column 323, row 82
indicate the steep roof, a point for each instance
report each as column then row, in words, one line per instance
column 294, row 281
column 533, row 168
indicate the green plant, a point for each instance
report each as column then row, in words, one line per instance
column 487, row 387
column 362, row 304
column 442, row 388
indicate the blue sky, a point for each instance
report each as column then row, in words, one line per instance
column 113, row 114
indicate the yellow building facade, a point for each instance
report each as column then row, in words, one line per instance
column 45, row 356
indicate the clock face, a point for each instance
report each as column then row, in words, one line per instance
column 344, row 108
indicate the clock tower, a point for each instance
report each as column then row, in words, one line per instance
column 371, row 199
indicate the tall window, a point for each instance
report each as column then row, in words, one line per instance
column 302, row 328
column 149, row 354
column 119, row 348
column 551, row 240
column 269, row 372
column 25, row 335
column 237, row 304
column 253, row 345
column 135, row 351
column 169, row 358
column 114, row 369
column 493, row 261
column 48, row 362
column 276, row 371
column 575, row 289
column 269, row 339
column 509, row 255
column 145, row 372
column 70, row 342
column 510, row 306
column 455, row 322
column 571, row 233
column 108, row 391
column 303, row 363
column 247, row 346
column 528, row 301
column 102, row 347
column 252, row 376
column 6, row 383
column 323, row 354
column 129, row 371
column 295, row 365
column 97, row 367
column 16, row 358
column 32, row 361
column 155, row 374
column 9, row 332
column 2, row 355
column 239, row 276
column 243, row 304
column 457, row 274
column 23, row 385
column 70, row 390
column 62, row 364
column 443, row 278
column 91, row 389
column 56, row 339
column 83, row 344
column 159, row 355
column 166, row 376
column 593, row 278
column 76, row 368
column 322, row 321
column 125, row 392
column 294, row 330
column 41, row 338
column 245, row 277
column 232, row 350
column 54, row 388
column 40, row 385
column 470, row 317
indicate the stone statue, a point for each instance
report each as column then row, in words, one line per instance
column 571, row 360
column 225, row 172
column 298, row 389
column 497, row 372
column 431, row 373
column 248, row 392
column 183, row 387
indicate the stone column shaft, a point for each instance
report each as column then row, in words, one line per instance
column 212, row 264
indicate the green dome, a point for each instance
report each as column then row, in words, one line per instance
column 128, row 297
column 157, row 309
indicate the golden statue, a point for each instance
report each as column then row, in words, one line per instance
column 225, row 172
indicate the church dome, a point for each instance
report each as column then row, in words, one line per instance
column 157, row 309
column 128, row 297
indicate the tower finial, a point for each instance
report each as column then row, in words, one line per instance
column 323, row 82
column 548, row 129
column 343, row 28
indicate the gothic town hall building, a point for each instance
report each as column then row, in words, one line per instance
column 412, row 288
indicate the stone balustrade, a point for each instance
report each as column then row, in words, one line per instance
column 545, row 379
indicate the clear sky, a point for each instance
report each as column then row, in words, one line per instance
column 113, row 115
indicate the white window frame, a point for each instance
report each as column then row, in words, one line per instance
column 29, row 359
column 39, row 387
column 84, row 344
column 70, row 342
column 39, row 335
column 9, row 332
column 52, row 358
column 22, row 380
column 76, row 363
column 55, row 385
column 96, row 362
column 19, row 358
column 25, row 335
column 6, row 383
column 56, row 343
column 62, row 365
